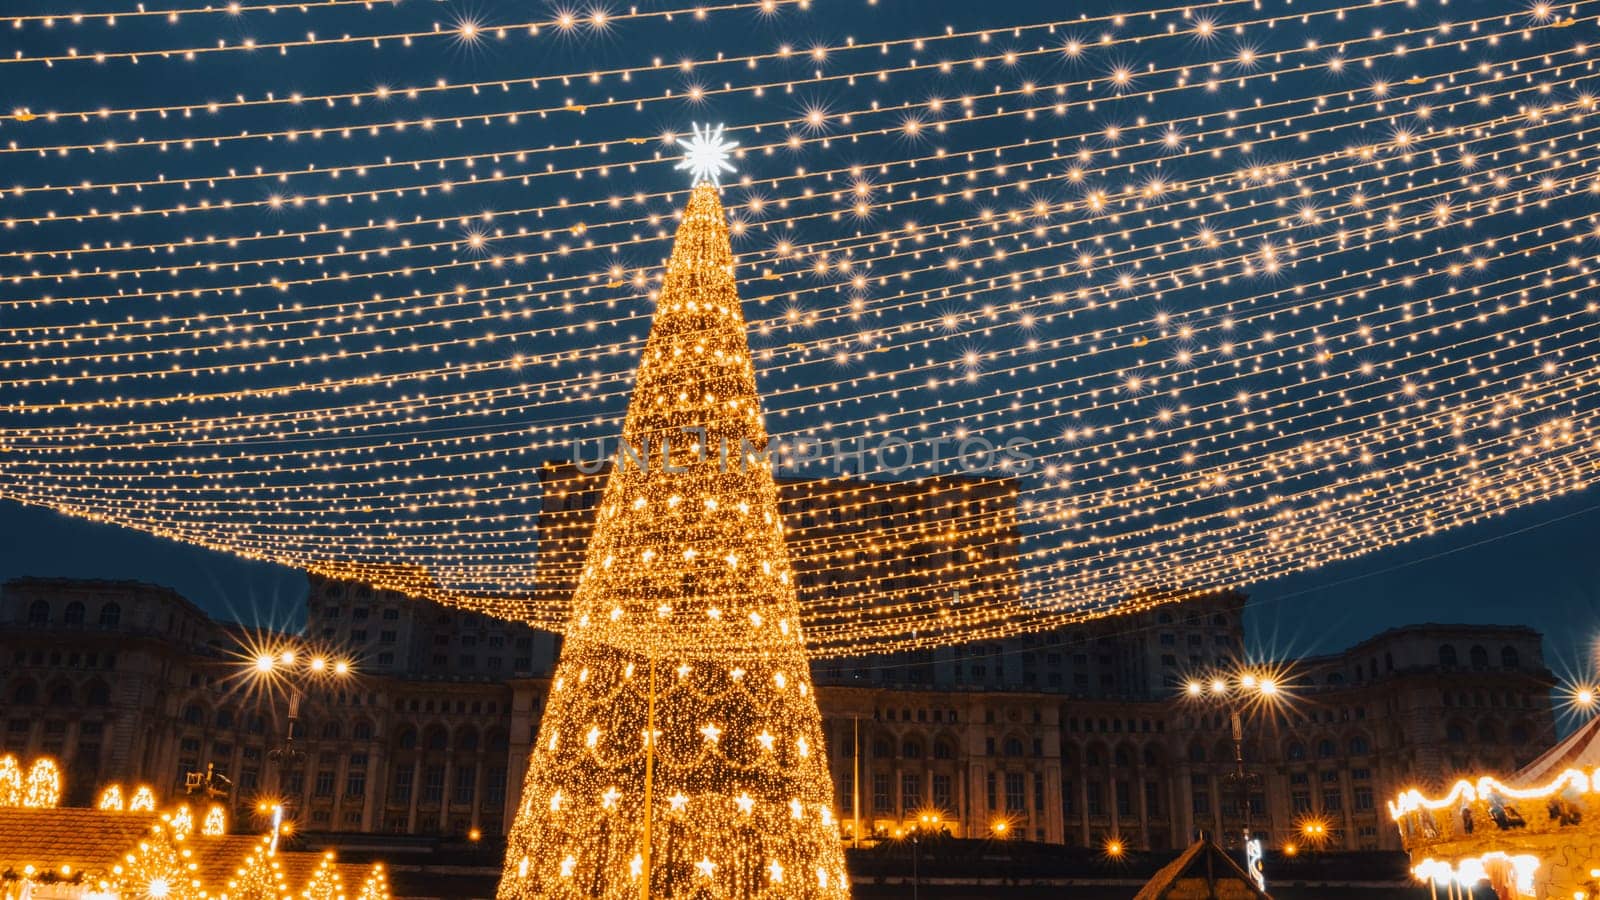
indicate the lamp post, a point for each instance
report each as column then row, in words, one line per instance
column 929, row 821
column 1237, row 692
column 294, row 673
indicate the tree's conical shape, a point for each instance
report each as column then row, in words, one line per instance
column 686, row 586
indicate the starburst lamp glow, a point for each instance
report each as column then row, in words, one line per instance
column 706, row 154
column 674, row 757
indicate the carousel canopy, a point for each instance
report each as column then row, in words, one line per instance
column 1581, row 750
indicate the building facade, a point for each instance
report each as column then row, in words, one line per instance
column 1075, row 737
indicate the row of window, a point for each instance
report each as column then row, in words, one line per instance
column 109, row 615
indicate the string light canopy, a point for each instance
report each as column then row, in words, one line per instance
column 1208, row 293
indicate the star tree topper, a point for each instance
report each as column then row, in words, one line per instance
column 706, row 155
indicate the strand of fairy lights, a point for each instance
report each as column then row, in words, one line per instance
column 464, row 31
column 33, row 346
column 579, row 171
column 284, row 285
column 413, row 295
column 592, row 76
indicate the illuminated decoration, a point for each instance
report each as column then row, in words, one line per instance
column 39, row 789
column 216, row 821
column 261, row 877
column 705, row 156
column 11, row 786
column 159, row 868
column 1253, row 864
column 110, row 798
column 181, row 821
column 1255, row 287
column 144, row 799
column 1532, row 837
column 672, row 755
column 325, row 883
column 376, row 885
column 103, row 860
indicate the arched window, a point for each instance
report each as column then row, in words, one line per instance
column 1479, row 657
column 1455, row 734
column 193, row 715
column 1509, row 657
column 110, row 615
column 363, row 730
column 98, row 694
column 1165, row 618
column 1336, row 678
column 1326, row 748
column 1358, row 746
column 1447, row 655
column 330, row 730
column 39, row 613
column 1197, row 753
column 1519, row 733
column 1151, row 757
column 1295, row 752
column 467, row 739
column 911, row 750
column 224, row 718
column 1487, row 733
column 408, row 738
column 498, row 740
column 24, row 693
column 1013, row 746
column 61, row 696
column 882, row 749
column 74, row 613
column 942, row 749
column 1122, row 757
column 437, row 739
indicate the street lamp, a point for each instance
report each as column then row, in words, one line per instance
column 930, row 822
column 1237, row 692
column 295, row 674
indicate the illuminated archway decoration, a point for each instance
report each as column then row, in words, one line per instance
column 681, row 752
column 110, row 798
column 216, row 823
column 11, row 790
column 44, row 785
column 144, row 799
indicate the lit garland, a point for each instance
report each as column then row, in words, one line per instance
column 1489, row 830
column 216, row 821
column 685, row 617
column 143, row 800
column 40, row 788
column 110, row 798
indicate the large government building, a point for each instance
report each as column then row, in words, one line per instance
column 1073, row 736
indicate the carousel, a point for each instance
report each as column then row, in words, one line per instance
column 1533, row 836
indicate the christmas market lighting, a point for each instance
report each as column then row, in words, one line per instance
column 1315, row 290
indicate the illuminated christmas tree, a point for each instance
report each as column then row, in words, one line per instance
column 684, row 625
